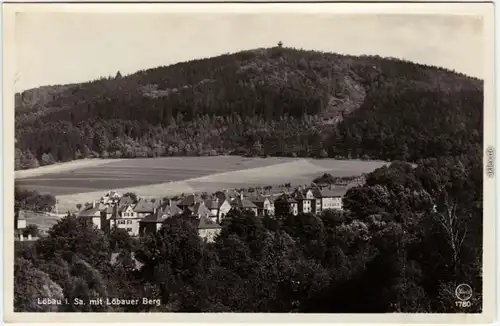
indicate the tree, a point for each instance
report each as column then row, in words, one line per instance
column 172, row 256
column 47, row 159
column 72, row 236
column 30, row 283
column 323, row 153
column 32, row 230
column 79, row 206
column 119, row 239
column 132, row 196
column 30, row 161
column 19, row 159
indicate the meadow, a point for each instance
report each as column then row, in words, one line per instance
column 168, row 176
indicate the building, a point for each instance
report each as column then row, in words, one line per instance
column 224, row 204
column 145, row 208
column 305, row 200
column 20, row 220
column 108, row 213
column 265, row 205
column 208, row 229
column 213, row 207
column 199, row 210
column 329, row 198
column 189, row 201
column 244, row 204
column 153, row 222
column 171, row 210
column 125, row 217
column 93, row 213
column 286, row 204
column 219, row 206
column 20, row 226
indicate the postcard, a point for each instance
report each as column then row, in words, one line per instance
column 249, row 162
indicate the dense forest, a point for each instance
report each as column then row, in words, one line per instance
column 406, row 238
column 276, row 101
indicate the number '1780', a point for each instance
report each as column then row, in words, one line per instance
column 463, row 304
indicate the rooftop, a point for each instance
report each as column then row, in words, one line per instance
column 206, row 223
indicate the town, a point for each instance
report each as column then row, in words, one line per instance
column 140, row 216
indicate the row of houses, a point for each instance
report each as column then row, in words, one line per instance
column 146, row 216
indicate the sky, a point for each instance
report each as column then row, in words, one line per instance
column 60, row 48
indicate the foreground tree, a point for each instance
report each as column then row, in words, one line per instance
column 74, row 236
column 31, row 286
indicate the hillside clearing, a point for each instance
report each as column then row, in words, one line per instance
column 295, row 171
column 61, row 167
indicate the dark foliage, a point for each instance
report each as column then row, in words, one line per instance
column 277, row 101
column 32, row 200
column 404, row 241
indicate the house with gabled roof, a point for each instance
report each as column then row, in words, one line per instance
column 153, row 222
column 242, row 204
column 305, row 200
column 208, row 229
column 330, row 198
column 286, row 204
column 213, row 206
column 145, row 207
column 20, row 220
column 219, row 206
column 93, row 213
column 20, row 225
column 199, row 210
column 125, row 217
column 189, row 201
column 265, row 205
column 171, row 209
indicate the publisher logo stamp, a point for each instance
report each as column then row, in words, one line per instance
column 463, row 292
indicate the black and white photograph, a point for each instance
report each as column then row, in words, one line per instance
column 286, row 160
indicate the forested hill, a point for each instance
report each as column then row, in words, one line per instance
column 275, row 101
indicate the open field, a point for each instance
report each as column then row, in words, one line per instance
column 71, row 178
column 169, row 176
column 61, row 167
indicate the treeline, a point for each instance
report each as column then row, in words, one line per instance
column 405, row 240
column 32, row 200
column 281, row 102
column 204, row 136
column 328, row 179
